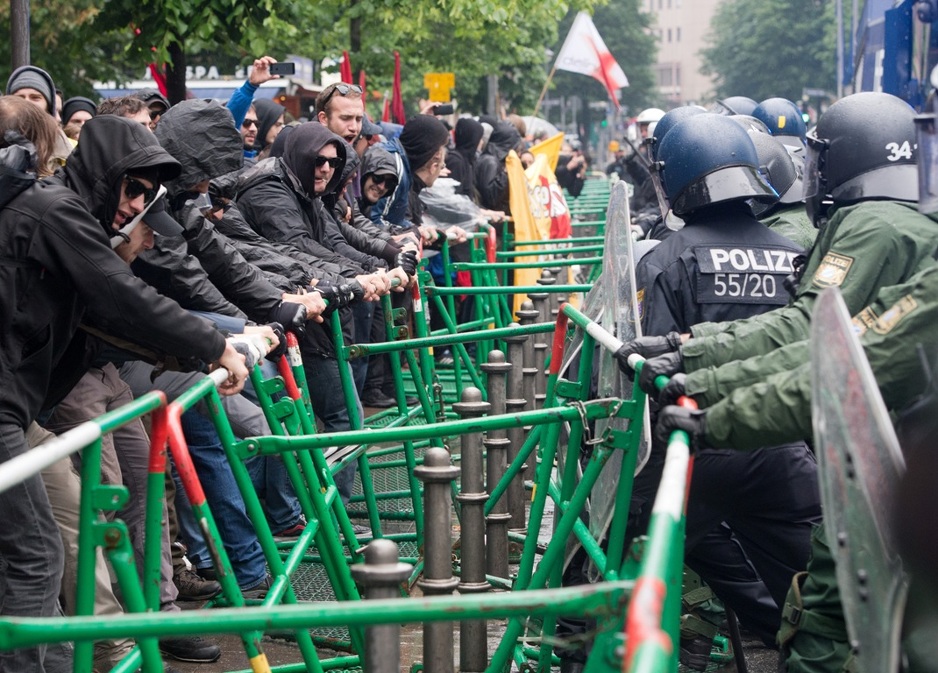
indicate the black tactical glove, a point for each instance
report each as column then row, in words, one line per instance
column 663, row 365
column 341, row 295
column 691, row 421
column 407, row 260
column 676, row 388
column 291, row 316
column 647, row 347
column 281, row 348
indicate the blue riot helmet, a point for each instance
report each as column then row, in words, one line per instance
column 709, row 159
column 778, row 167
column 751, row 124
column 927, row 134
column 862, row 148
column 733, row 105
column 784, row 120
column 668, row 122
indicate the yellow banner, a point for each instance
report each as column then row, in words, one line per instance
column 549, row 148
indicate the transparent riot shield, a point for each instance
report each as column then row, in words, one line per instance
column 860, row 465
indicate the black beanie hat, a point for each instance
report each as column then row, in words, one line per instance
column 73, row 105
column 421, row 138
column 31, row 77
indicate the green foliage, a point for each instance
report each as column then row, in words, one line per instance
column 771, row 48
column 623, row 28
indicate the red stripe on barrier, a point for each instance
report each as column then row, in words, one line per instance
column 560, row 337
column 292, row 341
column 644, row 618
column 491, row 246
column 181, row 456
column 286, row 372
column 158, row 437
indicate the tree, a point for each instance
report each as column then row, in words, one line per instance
column 771, row 48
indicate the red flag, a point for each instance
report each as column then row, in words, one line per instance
column 386, row 112
column 345, row 68
column 361, row 83
column 159, row 78
column 397, row 99
column 585, row 52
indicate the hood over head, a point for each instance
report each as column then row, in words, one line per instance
column 276, row 149
column 422, row 137
column 301, row 149
column 504, row 138
column 468, row 134
column 378, row 161
column 201, row 135
column 268, row 112
column 352, row 162
column 109, row 148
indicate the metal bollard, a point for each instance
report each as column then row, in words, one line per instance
column 549, row 277
column 472, row 496
column 541, row 348
column 513, row 403
column 496, row 447
column 437, row 474
column 527, row 315
column 380, row 577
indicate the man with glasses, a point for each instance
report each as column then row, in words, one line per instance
column 339, row 107
column 157, row 105
column 249, row 136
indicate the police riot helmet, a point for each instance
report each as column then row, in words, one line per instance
column 783, row 118
column 708, row 159
column 668, row 122
column 863, row 147
column 778, row 167
column 751, row 124
column 733, row 105
column 649, row 118
column 926, row 126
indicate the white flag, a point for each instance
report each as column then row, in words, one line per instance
column 585, row 52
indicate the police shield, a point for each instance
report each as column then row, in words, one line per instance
column 860, row 465
column 621, row 316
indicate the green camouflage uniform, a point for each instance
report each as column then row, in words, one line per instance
column 793, row 223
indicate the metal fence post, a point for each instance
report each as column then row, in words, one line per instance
column 437, row 474
column 541, row 348
column 496, row 447
column 380, row 577
column 527, row 315
column 515, row 402
column 472, row 497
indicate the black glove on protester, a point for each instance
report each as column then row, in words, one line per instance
column 281, row 349
column 647, row 347
column 663, row 365
column 341, row 295
column 291, row 316
column 407, row 260
column 691, row 421
column 676, row 388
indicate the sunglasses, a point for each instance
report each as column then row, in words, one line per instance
column 248, row 123
column 344, row 90
column 381, row 179
column 134, row 188
column 333, row 162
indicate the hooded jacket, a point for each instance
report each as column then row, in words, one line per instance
column 392, row 210
column 276, row 199
column 491, row 177
column 462, row 160
column 202, row 137
column 57, row 268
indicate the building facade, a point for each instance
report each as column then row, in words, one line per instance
column 681, row 26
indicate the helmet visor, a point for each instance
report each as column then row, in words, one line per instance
column 727, row 184
column 927, row 134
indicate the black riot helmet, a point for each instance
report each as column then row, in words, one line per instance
column 862, row 148
column 708, row 159
column 778, row 167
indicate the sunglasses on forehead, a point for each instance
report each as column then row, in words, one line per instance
column 344, row 90
column 333, row 162
column 134, row 188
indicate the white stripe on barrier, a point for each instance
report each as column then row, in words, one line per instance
column 670, row 497
column 606, row 339
column 33, row 462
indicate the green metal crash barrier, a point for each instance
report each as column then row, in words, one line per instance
column 647, row 570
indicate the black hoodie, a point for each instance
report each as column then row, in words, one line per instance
column 58, row 268
column 491, row 177
column 462, row 160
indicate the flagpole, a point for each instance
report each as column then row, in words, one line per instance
column 544, row 90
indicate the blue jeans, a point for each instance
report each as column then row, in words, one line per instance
column 362, row 313
column 224, row 499
column 325, row 394
column 31, row 554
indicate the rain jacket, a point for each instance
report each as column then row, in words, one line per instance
column 57, row 269
column 491, row 177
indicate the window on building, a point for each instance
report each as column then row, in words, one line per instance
column 669, row 34
column 677, row 36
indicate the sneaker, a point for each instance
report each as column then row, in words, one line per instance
column 695, row 652
column 361, row 531
column 293, row 531
column 194, row 588
column 194, row 649
column 377, row 400
column 258, row 591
